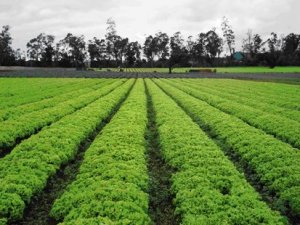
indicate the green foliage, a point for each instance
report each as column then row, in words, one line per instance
column 75, row 91
column 25, row 171
column 11, row 206
column 90, row 221
column 19, row 91
column 208, row 188
column 112, row 184
column 276, row 164
column 3, row 221
column 113, row 180
column 285, row 129
column 276, row 99
column 13, row 130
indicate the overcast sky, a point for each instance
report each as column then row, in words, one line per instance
column 137, row 18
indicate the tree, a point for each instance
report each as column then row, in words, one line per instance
column 179, row 53
column 161, row 41
column 291, row 49
column 156, row 47
column 252, row 47
column 228, row 34
column 150, row 49
column 133, row 53
column 120, row 49
column 41, row 48
column 48, row 53
column 6, row 51
column 213, row 46
column 257, row 44
column 97, row 51
column 20, row 57
column 72, row 49
column 273, row 55
column 197, row 49
column 111, row 37
column 116, row 45
column 190, row 47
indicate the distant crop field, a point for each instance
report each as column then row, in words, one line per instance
column 254, row 69
column 119, row 150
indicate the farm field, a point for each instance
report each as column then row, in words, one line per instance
column 288, row 78
column 146, row 151
column 249, row 69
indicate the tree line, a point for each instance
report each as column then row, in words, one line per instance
column 158, row 50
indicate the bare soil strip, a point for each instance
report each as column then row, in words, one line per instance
column 161, row 208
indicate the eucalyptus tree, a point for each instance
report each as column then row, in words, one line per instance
column 97, row 51
column 253, row 47
column 133, row 53
column 72, row 49
column 228, row 35
column 6, row 51
column 213, row 46
column 179, row 53
column 291, row 49
column 150, row 49
column 41, row 48
column 274, row 51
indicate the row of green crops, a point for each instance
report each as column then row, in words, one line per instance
column 270, row 89
column 13, row 112
column 18, row 91
column 23, row 126
column 285, row 96
column 113, row 174
column 285, row 129
column 17, row 87
column 209, row 189
column 275, row 164
column 25, row 171
column 250, row 99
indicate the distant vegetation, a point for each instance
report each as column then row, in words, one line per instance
column 244, row 69
column 207, row 49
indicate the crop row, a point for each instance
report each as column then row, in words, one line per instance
column 278, row 90
column 13, row 112
column 240, row 88
column 249, row 100
column 25, row 171
column 17, row 87
column 208, row 187
column 13, row 130
column 112, row 184
column 273, row 163
column 42, row 91
column 283, row 128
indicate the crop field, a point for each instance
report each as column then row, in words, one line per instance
column 249, row 69
column 146, row 151
column 288, row 78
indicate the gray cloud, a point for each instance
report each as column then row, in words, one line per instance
column 136, row 18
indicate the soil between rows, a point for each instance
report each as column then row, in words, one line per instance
column 161, row 207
